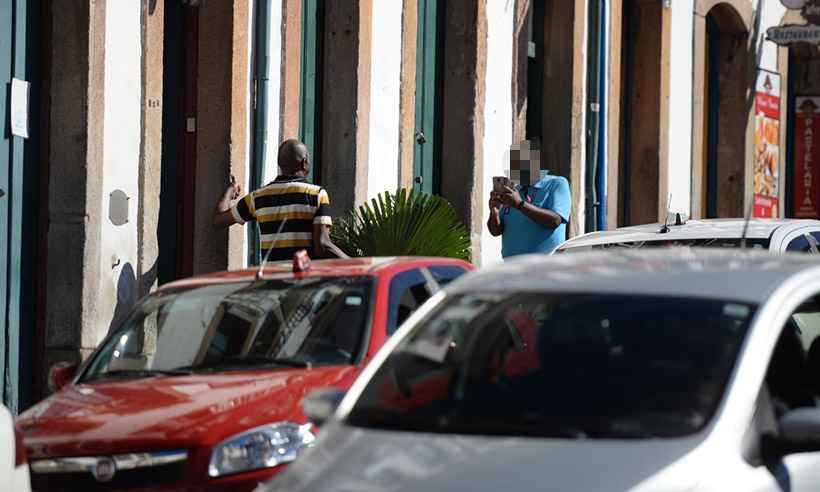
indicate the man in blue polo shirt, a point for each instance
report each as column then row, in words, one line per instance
column 532, row 217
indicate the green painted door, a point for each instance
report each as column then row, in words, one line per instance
column 17, row 216
column 426, row 161
column 6, row 59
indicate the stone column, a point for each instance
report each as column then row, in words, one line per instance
column 75, row 156
column 346, row 102
column 462, row 159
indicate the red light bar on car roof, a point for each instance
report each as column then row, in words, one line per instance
column 301, row 261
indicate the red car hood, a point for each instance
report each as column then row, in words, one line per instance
column 169, row 412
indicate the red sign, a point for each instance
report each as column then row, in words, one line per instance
column 807, row 158
column 767, row 145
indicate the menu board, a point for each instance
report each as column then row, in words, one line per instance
column 767, row 145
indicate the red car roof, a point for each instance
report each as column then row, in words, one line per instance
column 354, row 267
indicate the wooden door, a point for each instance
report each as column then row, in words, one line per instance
column 429, row 57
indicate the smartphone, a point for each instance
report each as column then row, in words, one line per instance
column 499, row 182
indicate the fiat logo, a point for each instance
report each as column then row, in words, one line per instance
column 104, row 470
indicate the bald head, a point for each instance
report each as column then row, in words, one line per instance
column 293, row 156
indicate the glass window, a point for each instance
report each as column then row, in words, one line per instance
column 408, row 291
column 293, row 322
column 446, row 274
column 568, row 365
column 805, row 243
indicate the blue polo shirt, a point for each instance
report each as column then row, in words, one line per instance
column 522, row 235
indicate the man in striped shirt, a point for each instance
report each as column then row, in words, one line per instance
column 292, row 213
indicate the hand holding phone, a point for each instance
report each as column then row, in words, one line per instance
column 499, row 183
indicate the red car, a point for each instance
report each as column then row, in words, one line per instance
column 200, row 388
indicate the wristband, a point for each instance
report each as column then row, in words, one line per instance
column 520, row 205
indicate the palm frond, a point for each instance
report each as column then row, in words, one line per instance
column 405, row 223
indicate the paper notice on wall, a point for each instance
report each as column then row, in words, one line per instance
column 767, row 145
column 806, row 158
column 19, row 108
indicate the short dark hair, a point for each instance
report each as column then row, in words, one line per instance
column 291, row 154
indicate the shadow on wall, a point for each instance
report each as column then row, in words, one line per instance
column 130, row 291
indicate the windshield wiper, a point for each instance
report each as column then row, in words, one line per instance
column 137, row 374
column 255, row 360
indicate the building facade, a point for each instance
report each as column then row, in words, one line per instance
column 140, row 111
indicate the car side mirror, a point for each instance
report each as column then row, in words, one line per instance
column 799, row 431
column 320, row 405
column 60, row 375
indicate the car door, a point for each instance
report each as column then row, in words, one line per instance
column 792, row 382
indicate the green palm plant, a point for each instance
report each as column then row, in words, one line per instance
column 405, row 223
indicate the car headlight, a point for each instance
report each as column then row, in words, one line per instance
column 262, row 447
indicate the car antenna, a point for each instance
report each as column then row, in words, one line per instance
column 264, row 262
column 665, row 227
column 746, row 226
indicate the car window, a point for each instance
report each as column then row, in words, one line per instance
column 558, row 365
column 793, row 376
column 408, row 291
column 805, row 243
column 444, row 274
column 292, row 322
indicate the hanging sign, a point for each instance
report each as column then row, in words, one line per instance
column 794, row 33
column 807, row 158
column 767, row 145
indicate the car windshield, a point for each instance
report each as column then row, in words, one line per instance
column 285, row 322
column 567, row 366
column 732, row 242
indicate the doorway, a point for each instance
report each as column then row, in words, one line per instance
column 640, row 116
column 179, row 111
column 726, row 83
column 310, row 94
column 802, row 199
column 429, row 62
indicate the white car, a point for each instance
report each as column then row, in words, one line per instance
column 775, row 235
column 676, row 369
column 14, row 473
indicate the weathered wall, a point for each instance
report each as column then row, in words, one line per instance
column 122, row 134
column 498, row 113
column 385, row 82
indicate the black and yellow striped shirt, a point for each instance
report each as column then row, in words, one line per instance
column 298, row 203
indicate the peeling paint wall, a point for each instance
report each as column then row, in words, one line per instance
column 385, row 82
column 121, row 152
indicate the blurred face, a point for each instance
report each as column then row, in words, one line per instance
column 525, row 165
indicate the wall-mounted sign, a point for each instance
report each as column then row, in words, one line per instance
column 767, row 145
column 806, row 158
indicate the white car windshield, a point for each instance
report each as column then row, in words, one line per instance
column 568, row 365
column 286, row 322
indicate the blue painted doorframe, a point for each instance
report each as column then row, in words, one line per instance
column 18, row 205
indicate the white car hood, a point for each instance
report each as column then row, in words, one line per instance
column 354, row 459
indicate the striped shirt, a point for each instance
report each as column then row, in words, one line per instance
column 298, row 203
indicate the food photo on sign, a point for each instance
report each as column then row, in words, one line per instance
column 767, row 145
column 806, row 158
